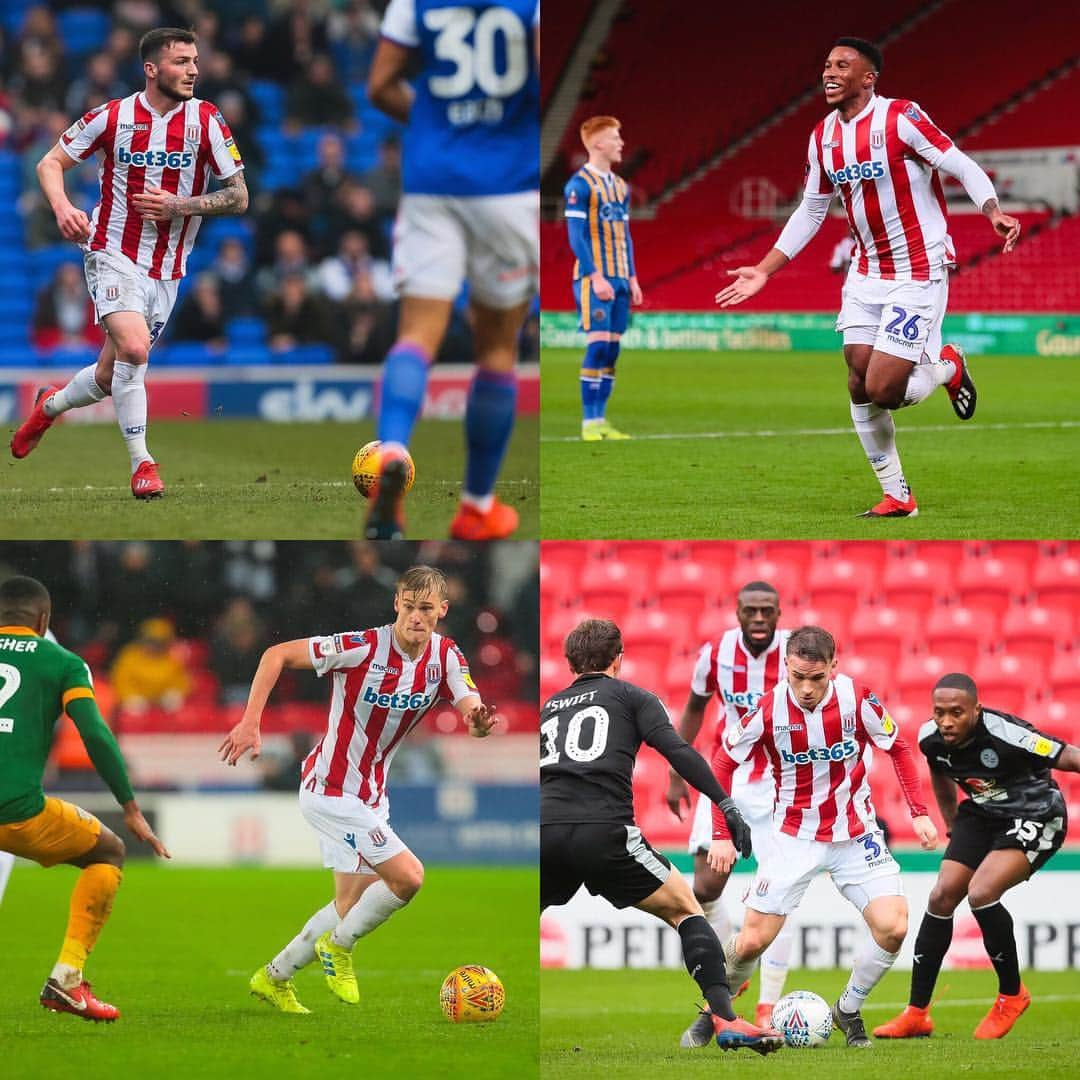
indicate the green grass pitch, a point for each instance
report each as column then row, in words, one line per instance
column 619, row 1024
column 176, row 955
column 760, row 445
column 249, row 479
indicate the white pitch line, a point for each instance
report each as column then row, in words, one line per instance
column 775, row 433
column 871, row 1006
column 231, row 487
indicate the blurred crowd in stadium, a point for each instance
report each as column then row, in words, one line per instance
column 173, row 631
column 309, row 265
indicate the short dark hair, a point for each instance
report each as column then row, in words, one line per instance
column 759, row 586
column 22, row 601
column 153, row 41
column 957, row 680
column 592, row 645
column 865, row 48
column 811, row 643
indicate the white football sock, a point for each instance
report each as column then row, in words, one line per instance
column 871, row 963
column 67, row 976
column 738, row 971
column 82, row 390
column 717, row 915
column 877, row 433
column 925, row 378
column 372, row 909
column 301, row 950
column 483, row 503
column 129, row 397
column 774, row 967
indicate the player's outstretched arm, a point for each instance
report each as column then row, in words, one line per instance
column 387, row 88
column 154, row 204
column 690, row 723
column 1069, row 759
column 139, row 827
column 479, row 718
column 72, row 222
column 245, row 735
column 750, row 280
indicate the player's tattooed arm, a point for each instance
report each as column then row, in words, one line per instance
column 158, row 205
column 945, row 794
column 1004, row 224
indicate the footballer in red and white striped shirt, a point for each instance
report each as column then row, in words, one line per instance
column 159, row 148
column 740, row 669
column 883, row 156
column 383, row 682
column 819, row 729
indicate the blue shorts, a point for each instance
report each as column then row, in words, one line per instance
column 612, row 315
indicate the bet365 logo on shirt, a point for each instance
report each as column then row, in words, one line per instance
column 836, row 752
column 173, row 159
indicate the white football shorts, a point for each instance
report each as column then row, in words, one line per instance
column 755, row 803
column 862, row 869
column 117, row 284
column 353, row 838
column 493, row 241
column 901, row 318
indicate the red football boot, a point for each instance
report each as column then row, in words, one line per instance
column 78, row 1000
column 472, row 524
column 960, row 388
column 146, row 484
column 912, row 1023
column 763, row 1016
column 34, row 426
column 890, row 507
column 740, row 1034
column 1003, row 1014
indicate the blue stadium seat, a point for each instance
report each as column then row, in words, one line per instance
column 246, row 331
column 12, row 12
column 187, row 354
column 83, row 30
column 269, row 97
column 305, row 354
column 15, row 356
column 247, row 354
column 65, row 359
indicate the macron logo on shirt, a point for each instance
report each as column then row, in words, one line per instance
column 396, row 701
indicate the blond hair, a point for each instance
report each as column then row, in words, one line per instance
column 423, row 579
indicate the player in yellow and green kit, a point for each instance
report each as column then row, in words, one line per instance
column 38, row 681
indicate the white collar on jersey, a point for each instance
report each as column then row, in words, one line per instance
column 596, row 172
column 821, row 704
column 866, row 109
column 150, row 108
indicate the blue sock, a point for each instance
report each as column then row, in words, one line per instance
column 607, row 376
column 489, row 420
column 404, row 381
column 591, row 365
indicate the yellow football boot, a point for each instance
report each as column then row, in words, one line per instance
column 282, row 995
column 337, row 967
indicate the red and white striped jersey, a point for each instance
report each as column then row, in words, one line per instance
column 820, row 759
column 176, row 152
column 379, row 695
column 740, row 680
column 883, row 163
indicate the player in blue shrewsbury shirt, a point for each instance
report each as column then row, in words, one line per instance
column 469, row 212
column 605, row 281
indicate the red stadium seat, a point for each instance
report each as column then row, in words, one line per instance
column 886, row 622
column 652, row 626
column 614, row 575
column 787, row 577
column 958, row 622
column 1057, row 579
column 1048, row 622
column 867, row 671
column 995, row 575
column 1064, row 675
column 917, row 579
column 644, row 669
column 558, row 579
column 918, row 673
column 834, row 619
column 607, row 603
column 885, row 651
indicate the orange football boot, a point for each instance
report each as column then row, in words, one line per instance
column 34, row 426
column 912, row 1023
column 145, row 483
column 472, row 524
column 78, row 1000
column 1003, row 1014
